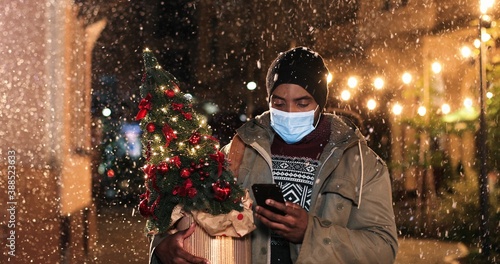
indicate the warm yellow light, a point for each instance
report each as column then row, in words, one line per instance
column 468, row 102
column 397, row 109
column 484, row 5
column 352, row 82
column 406, row 78
column 378, row 83
column 477, row 43
column 436, row 67
column 106, row 112
column 371, row 104
column 466, row 52
column 445, row 108
column 485, row 37
column 329, row 78
column 345, row 95
column 251, row 86
column 489, row 95
column 422, row 111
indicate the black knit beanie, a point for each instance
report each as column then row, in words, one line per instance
column 303, row 67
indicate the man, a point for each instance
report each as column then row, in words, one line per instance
column 338, row 193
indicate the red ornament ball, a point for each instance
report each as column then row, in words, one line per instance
column 150, row 127
column 188, row 116
column 170, row 93
column 144, row 209
column 111, row 173
column 185, row 173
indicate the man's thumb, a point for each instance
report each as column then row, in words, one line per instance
column 189, row 231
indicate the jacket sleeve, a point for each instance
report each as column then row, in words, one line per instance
column 155, row 240
column 345, row 228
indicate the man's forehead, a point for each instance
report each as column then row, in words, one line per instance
column 290, row 90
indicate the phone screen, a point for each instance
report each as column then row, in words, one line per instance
column 264, row 191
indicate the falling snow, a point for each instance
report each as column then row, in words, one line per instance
column 405, row 73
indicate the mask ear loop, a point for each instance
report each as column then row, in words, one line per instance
column 319, row 116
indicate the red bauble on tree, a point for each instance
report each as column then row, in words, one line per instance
column 195, row 138
column 185, row 173
column 150, row 127
column 170, row 93
column 188, row 116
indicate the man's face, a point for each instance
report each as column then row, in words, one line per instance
column 293, row 98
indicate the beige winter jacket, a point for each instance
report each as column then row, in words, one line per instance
column 351, row 219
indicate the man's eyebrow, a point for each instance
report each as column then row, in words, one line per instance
column 273, row 96
column 305, row 97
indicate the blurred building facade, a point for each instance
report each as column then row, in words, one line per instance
column 45, row 134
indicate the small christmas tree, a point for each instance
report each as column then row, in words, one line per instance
column 183, row 164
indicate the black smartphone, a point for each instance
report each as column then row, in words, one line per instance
column 264, row 191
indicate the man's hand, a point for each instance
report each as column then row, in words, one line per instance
column 292, row 226
column 171, row 249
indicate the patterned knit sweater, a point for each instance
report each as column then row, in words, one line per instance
column 294, row 170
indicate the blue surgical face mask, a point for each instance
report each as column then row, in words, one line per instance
column 292, row 126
